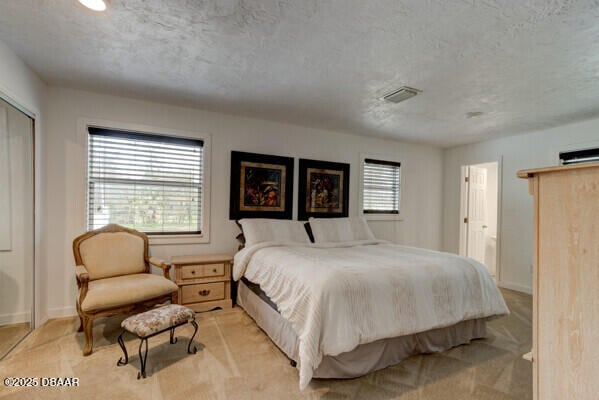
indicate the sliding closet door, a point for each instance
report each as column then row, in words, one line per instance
column 16, row 226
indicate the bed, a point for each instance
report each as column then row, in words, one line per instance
column 343, row 308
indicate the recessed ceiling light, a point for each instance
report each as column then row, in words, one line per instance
column 96, row 5
column 401, row 94
column 474, row 114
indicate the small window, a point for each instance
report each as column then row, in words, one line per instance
column 147, row 182
column 579, row 156
column 381, row 187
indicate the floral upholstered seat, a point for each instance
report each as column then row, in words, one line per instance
column 157, row 320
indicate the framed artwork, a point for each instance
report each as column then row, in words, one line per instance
column 323, row 189
column 261, row 186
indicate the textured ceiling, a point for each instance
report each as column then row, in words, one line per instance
column 525, row 64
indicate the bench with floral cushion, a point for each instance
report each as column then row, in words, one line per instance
column 152, row 323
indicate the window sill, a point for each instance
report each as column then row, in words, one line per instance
column 382, row 217
column 158, row 240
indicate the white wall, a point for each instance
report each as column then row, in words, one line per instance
column 22, row 87
column 65, row 162
column 18, row 82
column 529, row 150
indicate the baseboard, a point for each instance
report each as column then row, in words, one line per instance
column 41, row 320
column 515, row 286
column 15, row 318
column 60, row 312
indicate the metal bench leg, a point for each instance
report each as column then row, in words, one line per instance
column 122, row 344
column 143, row 359
column 195, row 326
column 173, row 338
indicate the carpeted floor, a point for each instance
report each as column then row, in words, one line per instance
column 236, row 360
column 11, row 334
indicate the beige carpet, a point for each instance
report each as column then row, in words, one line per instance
column 237, row 361
column 11, row 334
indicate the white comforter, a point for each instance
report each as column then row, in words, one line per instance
column 340, row 295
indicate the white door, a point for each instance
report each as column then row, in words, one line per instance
column 476, row 218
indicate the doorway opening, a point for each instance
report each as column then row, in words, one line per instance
column 479, row 212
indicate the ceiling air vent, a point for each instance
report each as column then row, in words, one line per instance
column 401, row 94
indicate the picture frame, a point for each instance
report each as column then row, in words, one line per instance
column 323, row 189
column 261, row 186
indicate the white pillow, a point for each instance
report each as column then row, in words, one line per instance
column 266, row 230
column 340, row 229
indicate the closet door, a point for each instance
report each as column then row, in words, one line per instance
column 16, row 226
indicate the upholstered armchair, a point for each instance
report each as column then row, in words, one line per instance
column 113, row 276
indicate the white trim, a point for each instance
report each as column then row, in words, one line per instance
column 60, row 312
column 463, row 210
column 204, row 237
column 7, row 97
column 382, row 217
column 15, row 318
column 515, row 286
column 499, row 232
column 157, row 240
column 379, row 217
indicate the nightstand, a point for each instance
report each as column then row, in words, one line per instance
column 204, row 281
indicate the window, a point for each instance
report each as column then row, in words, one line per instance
column 381, row 187
column 147, row 182
column 579, row 156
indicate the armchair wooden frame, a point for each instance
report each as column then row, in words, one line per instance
column 86, row 319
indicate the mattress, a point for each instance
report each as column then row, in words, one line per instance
column 364, row 358
column 255, row 288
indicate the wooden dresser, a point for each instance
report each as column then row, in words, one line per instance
column 204, row 281
column 565, row 352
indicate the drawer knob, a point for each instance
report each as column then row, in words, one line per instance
column 193, row 271
column 204, row 292
column 214, row 270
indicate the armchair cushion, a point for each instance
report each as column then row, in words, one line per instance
column 124, row 290
column 111, row 254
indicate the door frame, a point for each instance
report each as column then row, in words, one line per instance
column 464, row 212
column 34, row 114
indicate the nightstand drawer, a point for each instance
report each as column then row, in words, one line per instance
column 201, row 292
column 202, row 271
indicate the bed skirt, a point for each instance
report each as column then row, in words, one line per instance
column 366, row 357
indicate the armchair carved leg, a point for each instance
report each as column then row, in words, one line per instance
column 80, row 329
column 89, row 338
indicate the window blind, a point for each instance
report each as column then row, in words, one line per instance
column 147, row 182
column 381, row 187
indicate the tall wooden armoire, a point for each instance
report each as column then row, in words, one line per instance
column 565, row 352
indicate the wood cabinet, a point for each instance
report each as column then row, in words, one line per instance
column 204, row 281
column 565, row 352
